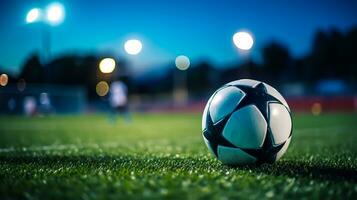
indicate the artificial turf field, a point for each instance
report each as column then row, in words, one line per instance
column 164, row 156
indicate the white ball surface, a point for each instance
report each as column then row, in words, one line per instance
column 280, row 122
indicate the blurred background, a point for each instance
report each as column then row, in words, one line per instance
column 62, row 57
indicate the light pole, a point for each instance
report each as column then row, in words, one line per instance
column 180, row 92
column 52, row 15
column 133, row 48
column 244, row 41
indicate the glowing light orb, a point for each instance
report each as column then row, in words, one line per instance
column 243, row 40
column 4, row 79
column 107, row 65
column 133, row 47
column 33, row 15
column 55, row 13
column 182, row 62
column 102, row 88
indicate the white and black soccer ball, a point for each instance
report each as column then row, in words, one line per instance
column 246, row 122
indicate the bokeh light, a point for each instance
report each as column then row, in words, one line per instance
column 33, row 15
column 55, row 13
column 21, row 85
column 182, row 62
column 243, row 40
column 133, row 47
column 102, row 88
column 4, row 79
column 107, row 65
column 316, row 108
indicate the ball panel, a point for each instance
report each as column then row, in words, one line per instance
column 283, row 149
column 273, row 92
column 224, row 102
column 279, row 122
column 234, row 156
column 245, row 82
column 246, row 128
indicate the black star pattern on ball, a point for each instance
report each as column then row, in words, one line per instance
column 259, row 97
column 213, row 134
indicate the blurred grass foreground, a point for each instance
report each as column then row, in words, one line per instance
column 163, row 156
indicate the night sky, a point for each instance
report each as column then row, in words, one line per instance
column 198, row 29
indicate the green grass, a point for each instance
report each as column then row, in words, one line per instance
column 164, row 156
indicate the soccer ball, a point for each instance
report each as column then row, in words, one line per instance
column 246, row 122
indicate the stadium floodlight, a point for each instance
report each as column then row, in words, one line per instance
column 55, row 13
column 107, row 65
column 33, row 15
column 243, row 40
column 133, row 46
column 247, row 122
column 182, row 62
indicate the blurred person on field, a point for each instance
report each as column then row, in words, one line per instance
column 118, row 100
column 45, row 104
column 30, row 106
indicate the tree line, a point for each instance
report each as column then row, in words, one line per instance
column 332, row 56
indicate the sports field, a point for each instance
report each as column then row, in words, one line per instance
column 164, row 156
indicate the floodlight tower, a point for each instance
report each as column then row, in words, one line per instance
column 244, row 42
column 132, row 47
column 52, row 15
column 180, row 92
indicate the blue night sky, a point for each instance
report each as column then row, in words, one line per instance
column 198, row 29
